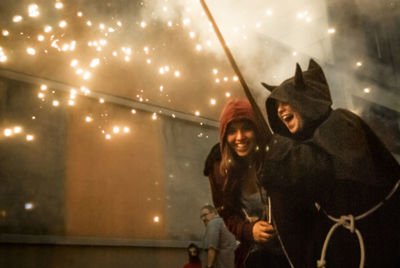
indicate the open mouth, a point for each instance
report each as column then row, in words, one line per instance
column 287, row 117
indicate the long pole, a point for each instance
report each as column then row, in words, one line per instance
column 236, row 69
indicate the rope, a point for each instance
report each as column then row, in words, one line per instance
column 348, row 222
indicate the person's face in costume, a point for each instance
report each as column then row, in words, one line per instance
column 193, row 252
column 290, row 117
column 241, row 137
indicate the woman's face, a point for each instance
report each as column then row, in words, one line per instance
column 241, row 137
column 290, row 117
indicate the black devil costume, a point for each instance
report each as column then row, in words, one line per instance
column 335, row 166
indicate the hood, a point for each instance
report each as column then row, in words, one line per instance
column 308, row 92
column 236, row 109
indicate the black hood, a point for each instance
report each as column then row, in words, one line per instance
column 307, row 91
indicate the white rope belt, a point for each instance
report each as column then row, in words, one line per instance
column 348, row 222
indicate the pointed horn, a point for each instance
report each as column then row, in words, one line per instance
column 317, row 70
column 269, row 87
column 298, row 78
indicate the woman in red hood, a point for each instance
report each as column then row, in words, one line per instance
column 242, row 202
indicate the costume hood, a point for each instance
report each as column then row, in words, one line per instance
column 307, row 91
column 234, row 110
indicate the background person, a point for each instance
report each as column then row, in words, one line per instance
column 219, row 243
column 193, row 254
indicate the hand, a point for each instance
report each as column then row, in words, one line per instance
column 263, row 231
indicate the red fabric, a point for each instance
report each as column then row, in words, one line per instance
column 234, row 110
column 193, row 265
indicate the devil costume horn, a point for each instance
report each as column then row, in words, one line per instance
column 269, row 87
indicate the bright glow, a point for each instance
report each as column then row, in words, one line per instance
column 133, row 111
column 143, row 24
column 186, row 21
column 17, row 129
column 43, row 87
column 294, row 53
column 215, row 71
column 268, row 12
column 33, row 10
column 148, row 61
column 89, row 23
column 108, row 136
column 62, row 24
column 47, row 29
column 156, row 219
column 29, row 137
column 8, row 132
column 59, row 5
column 71, row 102
column 235, row 78
column 197, row 113
column 86, row 75
column 217, row 80
column 56, row 103
column 40, row 95
column 127, row 58
column 31, row 51
column 74, row 63
column 40, row 38
column 161, row 88
column 169, row 24
column 29, row 206
column 116, row 129
column 102, row 26
column 213, row 101
column 88, row 119
column 227, row 94
column 17, row 18
column 367, row 90
column 154, row 116
column 79, row 14
column 359, row 64
column 177, row 73
column 126, row 129
column 331, row 30
column 101, row 100
column 5, row 33
column 225, row 79
column 192, row 35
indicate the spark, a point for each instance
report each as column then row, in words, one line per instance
column 5, row 33
column 213, row 101
column 31, row 51
column 8, row 132
column 33, row 10
column 367, row 90
column 56, row 103
column 215, row 71
column 17, row 18
column 186, row 21
column 126, row 130
column 74, row 63
column 227, row 94
column 102, row 26
column 40, row 95
column 71, row 102
column 192, row 35
column 197, row 113
column 161, row 88
column 108, row 136
column 225, row 79
column 154, row 116
column 95, row 62
column 47, row 29
column 88, row 119
column 217, row 80
column 235, row 78
column 169, row 24
column 359, row 64
column 133, row 111
column 143, row 24
column 59, row 5
column 177, row 73
column 148, row 61
column 79, row 14
column 29, row 206
column 101, row 100
column 199, row 48
column 116, row 129
column 156, row 219
column 40, row 37
column 17, row 129
column 294, row 53
column 89, row 23
column 29, row 137
column 62, row 24
column 331, row 30
column 268, row 12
